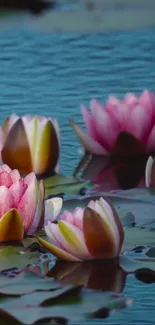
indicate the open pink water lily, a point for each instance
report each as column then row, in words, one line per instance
column 91, row 233
column 23, row 209
column 150, row 172
column 30, row 143
column 134, row 116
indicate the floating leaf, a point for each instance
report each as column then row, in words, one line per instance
column 26, row 282
column 13, row 256
column 68, row 185
column 135, row 236
column 131, row 265
column 86, row 306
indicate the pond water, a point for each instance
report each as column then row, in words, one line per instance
column 53, row 75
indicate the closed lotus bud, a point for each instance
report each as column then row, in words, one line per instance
column 86, row 234
column 30, row 143
column 23, row 209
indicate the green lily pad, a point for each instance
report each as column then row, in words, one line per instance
column 26, row 282
column 67, row 185
column 14, row 256
column 135, row 236
column 86, row 306
column 131, row 265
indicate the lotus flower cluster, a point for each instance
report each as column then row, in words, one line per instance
column 150, row 172
column 132, row 116
column 30, row 143
column 23, row 209
column 91, row 233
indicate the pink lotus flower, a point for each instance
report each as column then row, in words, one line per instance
column 132, row 116
column 150, row 173
column 91, row 233
column 30, row 143
column 23, row 209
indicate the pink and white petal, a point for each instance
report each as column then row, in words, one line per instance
column 130, row 99
column 17, row 190
column 68, row 216
column 89, row 121
column 38, row 220
column 89, row 143
column 6, row 201
column 112, row 101
column 78, row 218
column 151, row 141
column 94, row 106
column 27, row 206
column 73, row 240
column 5, row 168
column 147, row 99
column 148, row 171
column 5, row 179
column 50, row 235
column 120, row 113
column 139, row 123
column 31, row 177
column 15, row 176
column 58, row 252
column 52, row 208
column 11, row 121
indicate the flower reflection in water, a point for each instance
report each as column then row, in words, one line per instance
column 113, row 173
column 99, row 275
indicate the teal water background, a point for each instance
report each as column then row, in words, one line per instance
column 53, row 74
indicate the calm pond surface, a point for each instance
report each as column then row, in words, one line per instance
column 53, row 75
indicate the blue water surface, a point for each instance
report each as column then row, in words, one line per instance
column 53, row 74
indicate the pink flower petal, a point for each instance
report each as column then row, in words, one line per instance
column 6, row 202
column 131, row 100
column 90, row 122
column 38, row 220
column 107, row 129
column 147, row 99
column 78, row 218
column 5, row 168
column 17, row 190
column 5, row 179
column 27, row 206
column 89, row 143
column 15, row 176
column 94, row 106
column 67, row 216
column 30, row 178
column 139, row 122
